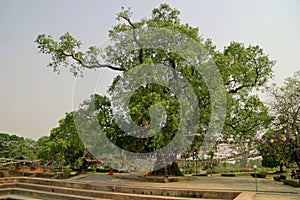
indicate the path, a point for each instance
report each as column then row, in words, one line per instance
column 267, row 189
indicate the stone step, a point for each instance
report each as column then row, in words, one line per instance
column 8, row 185
column 119, row 192
column 94, row 194
column 17, row 197
column 7, row 193
column 29, row 194
column 140, row 190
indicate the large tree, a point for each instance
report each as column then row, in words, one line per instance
column 242, row 69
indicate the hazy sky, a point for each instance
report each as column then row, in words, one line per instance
column 33, row 98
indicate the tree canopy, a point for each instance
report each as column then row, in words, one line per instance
column 243, row 69
column 63, row 147
column 282, row 142
column 13, row 146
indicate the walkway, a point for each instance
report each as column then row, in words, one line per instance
column 267, row 189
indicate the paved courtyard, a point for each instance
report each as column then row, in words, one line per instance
column 267, row 188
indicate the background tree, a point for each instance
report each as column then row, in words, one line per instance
column 243, row 69
column 64, row 148
column 13, row 146
column 247, row 120
column 286, row 104
column 282, row 142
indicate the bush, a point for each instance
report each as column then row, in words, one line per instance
column 228, row 175
column 259, row 175
column 276, row 178
column 291, row 183
column 282, row 177
column 279, row 178
column 211, row 172
column 102, row 170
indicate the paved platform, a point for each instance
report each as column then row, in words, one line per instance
column 71, row 190
column 267, row 188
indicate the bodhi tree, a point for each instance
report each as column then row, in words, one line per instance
column 242, row 69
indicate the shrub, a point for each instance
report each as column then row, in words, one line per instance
column 282, row 177
column 91, row 170
column 291, row 183
column 102, row 170
column 259, row 175
column 228, row 175
column 199, row 174
column 276, row 178
column 211, row 172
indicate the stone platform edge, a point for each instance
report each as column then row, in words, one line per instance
column 242, row 195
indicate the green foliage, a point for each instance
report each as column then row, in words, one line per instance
column 140, row 104
column 243, row 69
column 286, row 104
column 60, row 50
column 63, row 146
column 285, row 132
column 270, row 161
column 260, row 175
column 246, row 118
column 228, row 175
column 257, row 162
column 13, row 146
column 276, row 178
column 291, row 183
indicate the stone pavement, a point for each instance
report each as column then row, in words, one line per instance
column 267, row 188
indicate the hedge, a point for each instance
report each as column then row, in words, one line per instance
column 291, row 183
column 228, row 175
column 259, row 175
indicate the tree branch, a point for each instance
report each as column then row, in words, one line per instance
column 135, row 38
column 92, row 66
column 235, row 90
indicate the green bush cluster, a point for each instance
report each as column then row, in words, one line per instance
column 228, row 175
column 276, row 178
column 291, row 183
column 279, row 178
column 260, row 175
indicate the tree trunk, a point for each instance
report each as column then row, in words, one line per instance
column 83, row 168
column 170, row 170
column 281, row 167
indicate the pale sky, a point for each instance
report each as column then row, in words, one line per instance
column 33, row 98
